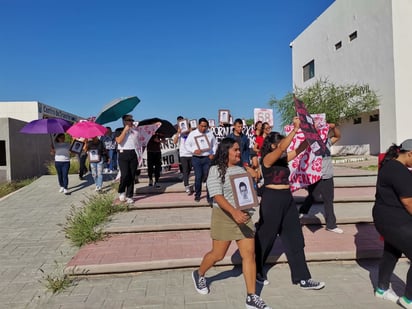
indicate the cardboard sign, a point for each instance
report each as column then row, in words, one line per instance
column 264, row 115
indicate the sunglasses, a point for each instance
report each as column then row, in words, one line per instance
column 132, row 120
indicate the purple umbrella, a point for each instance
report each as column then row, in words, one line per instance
column 46, row 126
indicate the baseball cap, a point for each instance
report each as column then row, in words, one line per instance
column 407, row 145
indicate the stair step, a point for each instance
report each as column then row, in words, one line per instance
column 198, row 218
column 134, row 252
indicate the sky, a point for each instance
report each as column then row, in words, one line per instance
column 179, row 57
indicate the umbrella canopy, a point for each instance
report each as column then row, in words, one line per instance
column 86, row 129
column 166, row 128
column 115, row 109
column 46, row 126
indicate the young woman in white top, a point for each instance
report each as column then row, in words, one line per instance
column 61, row 151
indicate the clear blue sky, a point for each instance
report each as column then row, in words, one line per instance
column 180, row 57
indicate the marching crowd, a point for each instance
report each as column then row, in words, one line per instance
column 266, row 161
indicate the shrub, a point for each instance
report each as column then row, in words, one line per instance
column 9, row 187
column 82, row 223
column 74, row 167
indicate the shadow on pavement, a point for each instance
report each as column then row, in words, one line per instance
column 372, row 264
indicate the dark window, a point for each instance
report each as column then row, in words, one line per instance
column 353, row 35
column 3, row 153
column 309, row 70
column 374, row 117
column 338, row 45
column 357, row 120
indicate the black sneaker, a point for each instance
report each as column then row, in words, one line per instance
column 197, row 199
column 200, row 283
column 262, row 279
column 254, row 301
column 311, row 284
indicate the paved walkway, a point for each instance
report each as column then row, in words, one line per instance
column 32, row 242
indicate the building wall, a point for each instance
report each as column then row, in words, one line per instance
column 26, row 154
column 402, row 38
column 368, row 59
column 31, row 110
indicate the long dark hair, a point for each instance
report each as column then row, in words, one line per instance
column 271, row 138
column 221, row 158
column 58, row 136
column 392, row 153
column 264, row 125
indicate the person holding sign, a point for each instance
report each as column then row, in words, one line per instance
column 201, row 143
column 278, row 212
column 325, row 186
column 229, row 223
column 96, row 152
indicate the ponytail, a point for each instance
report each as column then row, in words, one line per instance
column 391, row 153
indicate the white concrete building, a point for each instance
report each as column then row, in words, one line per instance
column 364, row 42
column 31, row 110
column 25, row 155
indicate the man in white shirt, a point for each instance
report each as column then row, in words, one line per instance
column 202, row 144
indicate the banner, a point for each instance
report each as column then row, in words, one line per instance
column 307, row 125
column 306, row 168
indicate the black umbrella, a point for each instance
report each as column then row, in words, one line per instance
column 166, row 129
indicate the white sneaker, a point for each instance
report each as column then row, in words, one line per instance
column 98, row 188
column 122, row 197
column 65, row 191
column 388, row 294
column 61, row 190
column 336, row 230
column 187, row 189
column 129, row 200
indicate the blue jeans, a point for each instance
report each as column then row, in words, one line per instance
column 112, row 159
column 201, row 169
column 97, row 173
column 62, row 169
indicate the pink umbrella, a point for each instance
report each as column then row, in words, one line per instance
column 86, row 129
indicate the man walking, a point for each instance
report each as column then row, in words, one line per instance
column 202, row 144
column 242, row 140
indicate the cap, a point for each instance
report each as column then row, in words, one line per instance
column 407, row 145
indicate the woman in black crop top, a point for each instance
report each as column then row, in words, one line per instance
column 278, row 212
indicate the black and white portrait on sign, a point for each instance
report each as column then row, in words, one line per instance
column 202, row 142
column 243, row 191
column 77, row 147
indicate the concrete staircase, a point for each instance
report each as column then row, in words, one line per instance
column 166, row 228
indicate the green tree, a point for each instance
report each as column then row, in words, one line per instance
column 338, row 102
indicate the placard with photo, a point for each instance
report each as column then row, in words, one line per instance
column 94, row 156
column 184, row 125
column 77, row 146
column 212, row 123
column 224, row 116
column 202, row 142
column 244, row 192
column 193, row 124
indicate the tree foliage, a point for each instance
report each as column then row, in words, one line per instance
column 338, row 102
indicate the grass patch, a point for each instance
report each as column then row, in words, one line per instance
column 370, row 168
column 82, row 223
column 9, row 187
column 57, row 281
column 74, row 167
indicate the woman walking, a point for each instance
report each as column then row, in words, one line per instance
column 61, row 151
column 97, row 153
column 126, row 140
column 392, row 215
column 278, row 212
column 229, row 223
